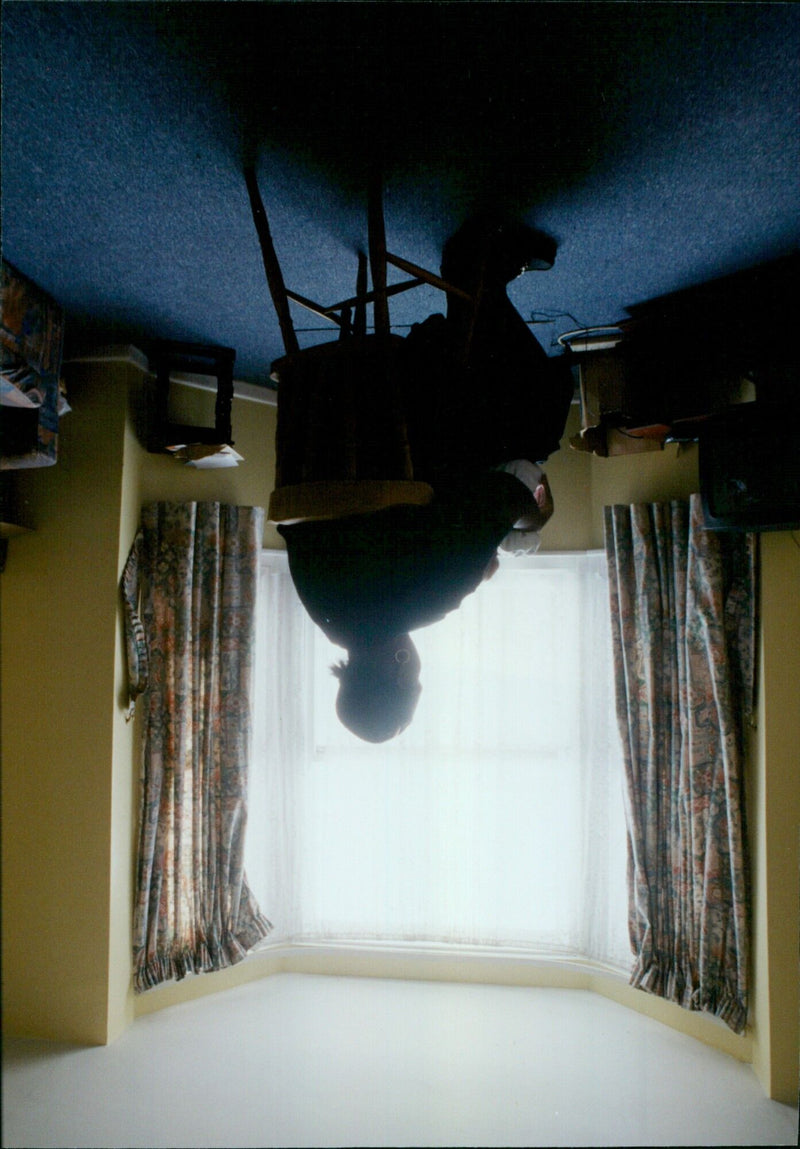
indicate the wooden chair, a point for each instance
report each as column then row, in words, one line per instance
column 342, row 444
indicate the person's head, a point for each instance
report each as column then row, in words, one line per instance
column 378, row 688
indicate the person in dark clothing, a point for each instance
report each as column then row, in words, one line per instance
column 482, row 391
column 368, row 580
column 485, row 407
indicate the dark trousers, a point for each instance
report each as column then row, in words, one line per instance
column 481, row 391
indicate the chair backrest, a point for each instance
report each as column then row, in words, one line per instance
column 342, row 443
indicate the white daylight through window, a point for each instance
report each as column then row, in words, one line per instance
column 494, row 820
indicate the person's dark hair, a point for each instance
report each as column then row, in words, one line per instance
column 372, row 706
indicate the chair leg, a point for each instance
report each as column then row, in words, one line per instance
column 360, row 320
column 275, row 282
column 345, row 324
column 377, row 253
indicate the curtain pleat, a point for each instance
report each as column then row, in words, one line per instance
column 683, row 631
column 198, row 568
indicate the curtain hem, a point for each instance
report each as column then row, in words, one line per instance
column 665, row 980
column 205, row 957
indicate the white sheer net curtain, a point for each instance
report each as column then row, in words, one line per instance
column 495, row 820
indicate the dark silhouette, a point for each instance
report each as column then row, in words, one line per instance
column 480, row 394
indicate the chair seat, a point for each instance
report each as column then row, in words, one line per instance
column 329, row 499
column 340, row 412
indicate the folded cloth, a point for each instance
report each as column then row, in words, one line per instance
column 521, row 542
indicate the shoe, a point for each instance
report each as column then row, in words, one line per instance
column 505, row 250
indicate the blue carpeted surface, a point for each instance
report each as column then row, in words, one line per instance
column 658, row 143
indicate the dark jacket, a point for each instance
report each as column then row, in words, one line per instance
column 393, row 571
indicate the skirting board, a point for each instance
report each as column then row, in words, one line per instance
column 448, row 964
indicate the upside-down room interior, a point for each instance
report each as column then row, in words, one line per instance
column 663, row 170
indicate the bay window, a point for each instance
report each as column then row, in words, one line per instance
column 495, row 820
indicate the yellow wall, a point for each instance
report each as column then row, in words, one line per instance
column 583, row 484
column 70, row 760
column 58, row 629
column 120, row 1007
column 775, row 822
column 651, row 477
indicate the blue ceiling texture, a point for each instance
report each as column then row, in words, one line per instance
column 659, row 144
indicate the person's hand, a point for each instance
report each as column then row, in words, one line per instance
column 544, row 499
column 536, row 518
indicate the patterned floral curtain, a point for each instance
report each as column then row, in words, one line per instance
column 195, row 566
column 683, row 629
